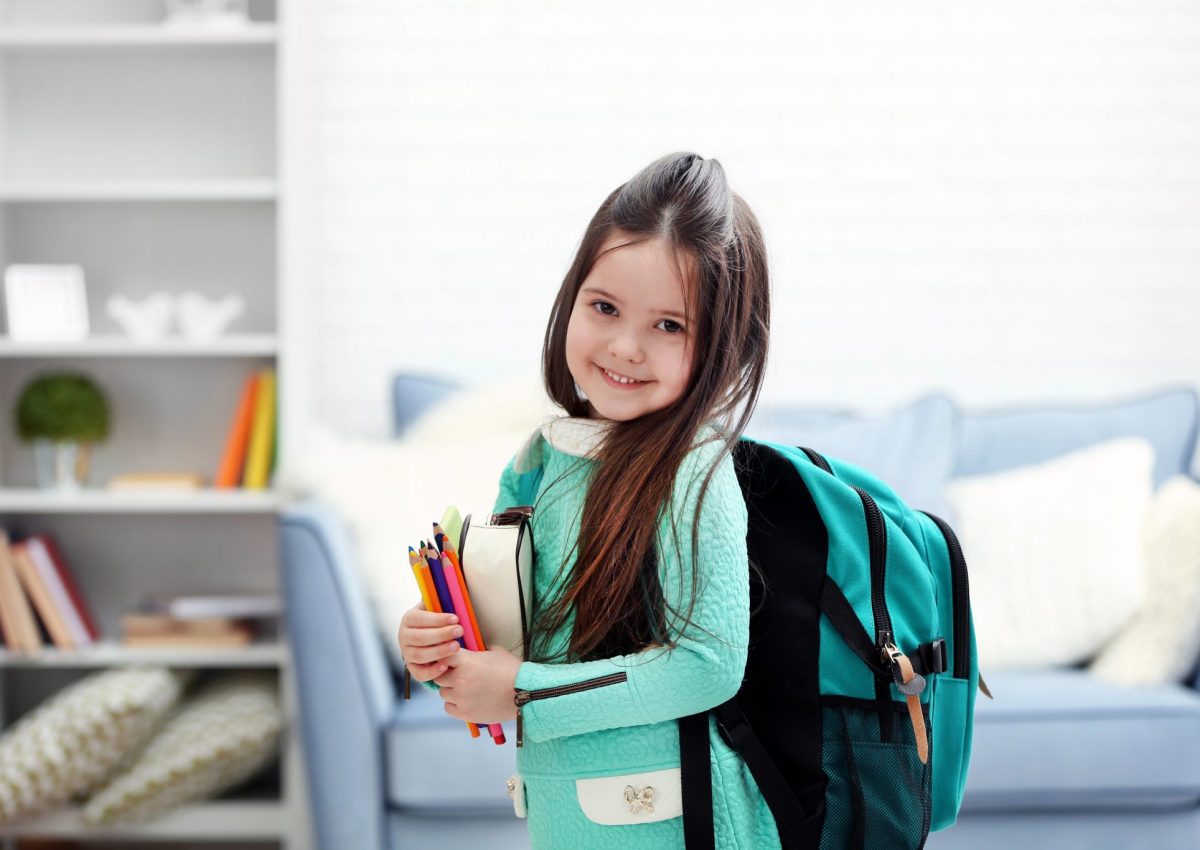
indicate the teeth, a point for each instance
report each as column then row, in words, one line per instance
column 619, row 379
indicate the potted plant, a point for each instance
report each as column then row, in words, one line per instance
column 63, row 414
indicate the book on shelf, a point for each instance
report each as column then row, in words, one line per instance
column 37, row 588
column 233, row 459
column 162, row 630
column 257, row 469
column 16, row 614
column 186, row 481
column 240, row 606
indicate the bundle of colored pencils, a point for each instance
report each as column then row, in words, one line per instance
column 444, row 590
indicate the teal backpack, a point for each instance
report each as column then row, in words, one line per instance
column 856, row 711
column 860, row 627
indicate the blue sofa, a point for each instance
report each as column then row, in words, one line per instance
column 1060, row 759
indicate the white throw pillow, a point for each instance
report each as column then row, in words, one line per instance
column 218, row 737
column 77, row 738
column 1162, row 642
column 391, row 491
column 1054, row 552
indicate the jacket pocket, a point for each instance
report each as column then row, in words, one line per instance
column 631, row 798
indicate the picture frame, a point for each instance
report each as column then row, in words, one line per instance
column 46, row 302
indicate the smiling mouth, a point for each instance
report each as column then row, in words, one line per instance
column 618, row 380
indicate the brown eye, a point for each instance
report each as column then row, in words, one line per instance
column 679, row 327
column 602, row 305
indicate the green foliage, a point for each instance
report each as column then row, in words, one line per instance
column 62, row 406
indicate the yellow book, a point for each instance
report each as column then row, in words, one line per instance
column 262, row 434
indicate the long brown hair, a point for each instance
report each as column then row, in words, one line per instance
column 613, row 587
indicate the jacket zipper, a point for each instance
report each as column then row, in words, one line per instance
column 523, row 697
column 961, row 595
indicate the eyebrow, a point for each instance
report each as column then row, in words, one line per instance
column 598, row 291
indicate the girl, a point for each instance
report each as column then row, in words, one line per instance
column 658, row 334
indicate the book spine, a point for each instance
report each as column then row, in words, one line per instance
column 58, row 592
column 259, row 454
column 60, row 563
column 18, row 603
column 233, row 460
column 39, row 594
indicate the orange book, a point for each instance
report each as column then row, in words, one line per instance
column 41, row 598
column 18, row 615
column 234, row 456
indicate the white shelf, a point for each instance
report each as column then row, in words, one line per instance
column 108, row 654
column 140, row 190
column 99, row 501
column 232, row 345
column 216, row 820
column 135, row 35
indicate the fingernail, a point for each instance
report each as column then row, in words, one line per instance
column 458, row 632
column 453, row 619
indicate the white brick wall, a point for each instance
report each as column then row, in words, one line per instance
column 1000, row 200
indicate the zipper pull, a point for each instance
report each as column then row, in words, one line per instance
column 983, row 687
column 910, row 683
column 520, row 698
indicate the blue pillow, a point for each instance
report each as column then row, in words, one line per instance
column 1001, row 439
column 911, row 450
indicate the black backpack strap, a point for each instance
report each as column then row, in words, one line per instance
column 696, row 782
column 841, row 613
column 797, row 827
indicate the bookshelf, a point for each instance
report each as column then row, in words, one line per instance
column 151, row 156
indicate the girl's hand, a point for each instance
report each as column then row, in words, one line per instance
column 478, row 687
column 426, row 639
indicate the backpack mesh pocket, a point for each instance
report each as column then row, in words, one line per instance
column 879, row 792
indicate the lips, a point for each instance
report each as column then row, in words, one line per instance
column 614, row 383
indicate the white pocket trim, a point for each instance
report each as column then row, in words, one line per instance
column 632, row 797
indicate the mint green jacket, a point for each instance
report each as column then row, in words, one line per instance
column 597, row 734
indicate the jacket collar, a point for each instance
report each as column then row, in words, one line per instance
column 573, row 435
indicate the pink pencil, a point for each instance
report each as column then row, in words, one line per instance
column 460, row 607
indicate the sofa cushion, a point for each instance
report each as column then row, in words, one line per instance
column 1054, row 552
column 911, row 449
column 426, row 750
column 1001, row 439
column 1062, row 738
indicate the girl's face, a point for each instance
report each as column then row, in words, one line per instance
column 629, row 319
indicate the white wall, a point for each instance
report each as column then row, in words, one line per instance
column 1001, row 200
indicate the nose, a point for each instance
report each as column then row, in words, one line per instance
column 626, row 346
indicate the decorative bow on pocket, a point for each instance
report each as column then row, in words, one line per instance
column 638, row 800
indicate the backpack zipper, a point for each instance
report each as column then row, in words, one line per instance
column 522, row 697
column 961, row 595
column 877, row 540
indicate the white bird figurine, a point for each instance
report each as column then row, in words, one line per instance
column 201, row 320
column 146, row 320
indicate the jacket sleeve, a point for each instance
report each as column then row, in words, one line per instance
column 507, row 496
column 707, row 665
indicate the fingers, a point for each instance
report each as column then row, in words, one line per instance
column 429, row 654
column 419, row 618
column 426, row 672
column 432, row 637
